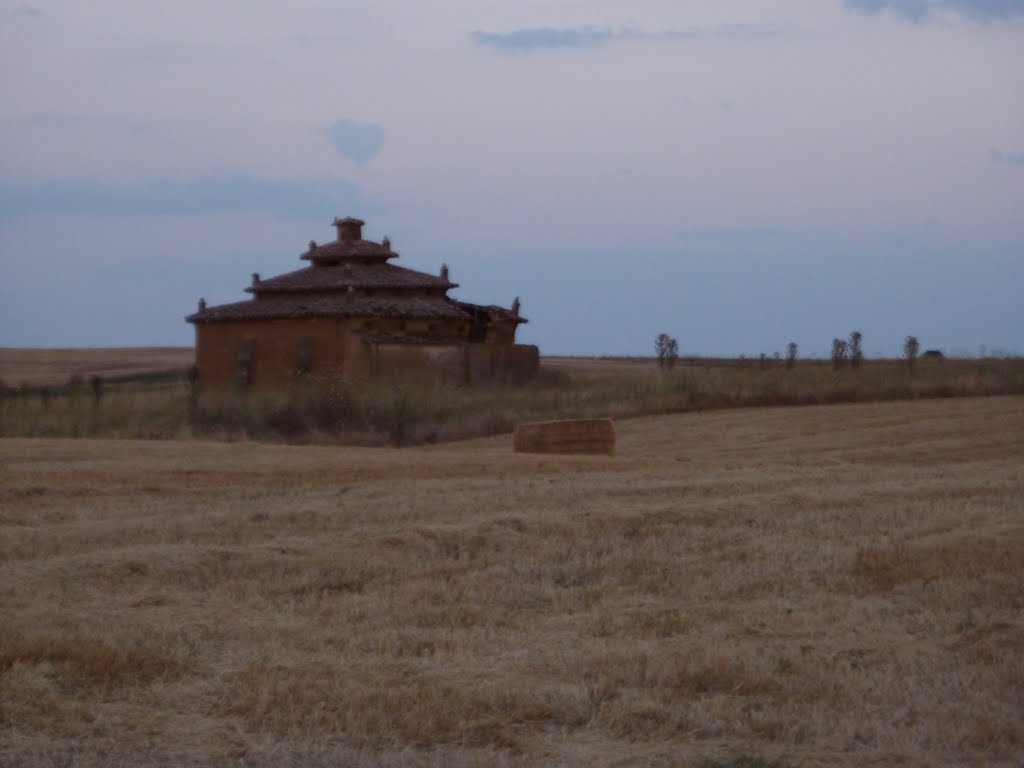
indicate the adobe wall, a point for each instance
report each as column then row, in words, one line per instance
column 502, row 334
column 512, row 363
column 522, row 362
column 275, row 351
column 430, row 362
column 480, row 362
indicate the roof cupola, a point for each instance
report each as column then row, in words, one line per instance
column 349, row 229
column 349, row 246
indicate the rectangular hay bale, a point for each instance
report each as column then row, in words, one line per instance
column 591, row 436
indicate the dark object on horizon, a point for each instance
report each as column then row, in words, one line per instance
column 856, row 349
column 911, row 346
column 791, row 352
column 840, row 351
column 667, row 350
column 933, row 354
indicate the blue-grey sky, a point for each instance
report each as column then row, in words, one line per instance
column 739, row 174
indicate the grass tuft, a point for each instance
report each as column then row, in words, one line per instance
column 88, row 660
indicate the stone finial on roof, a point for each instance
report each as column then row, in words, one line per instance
column 386, row 242
column 255, row 279
column 202, row 305
column 444, row 271
column 312, row 245
column 515, row 307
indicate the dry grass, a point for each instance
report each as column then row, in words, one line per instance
column 794, row 587
column 157, row 403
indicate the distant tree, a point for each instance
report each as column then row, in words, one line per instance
column 667, row 350
column 911, row 346
column 840, row 349
column 856, row 350
column 791, row 352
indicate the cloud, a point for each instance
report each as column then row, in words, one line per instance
column 359, row 142
column 919, row 11
column 288, row 197
column 57, row 120
column 593, row 37
column 914, row 10
column 739, row 31
column 996, row 156
column 64, row 122
column 23, row 10
column 544, row 37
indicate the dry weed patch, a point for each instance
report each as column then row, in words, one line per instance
column 92, row 660
column 963, row 558
column 733, row 588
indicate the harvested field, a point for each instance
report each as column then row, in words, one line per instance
column 55, row 366
column 839, row 585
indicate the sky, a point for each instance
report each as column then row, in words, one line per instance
column 738, row 174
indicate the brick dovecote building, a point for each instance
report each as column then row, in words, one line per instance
column 353, row 314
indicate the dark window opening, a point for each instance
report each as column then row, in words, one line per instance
column 244, row 369
column 304, row 362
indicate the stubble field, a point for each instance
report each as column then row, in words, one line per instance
column 55, row 366
column 836, row 585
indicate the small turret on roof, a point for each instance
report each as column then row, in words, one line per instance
column 349, row 246
column 349, row 229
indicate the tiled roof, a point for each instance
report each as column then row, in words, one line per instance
column 342, row 305
column 492, row 310
column 336, row 285
column 354, row 274
column 339, row 250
